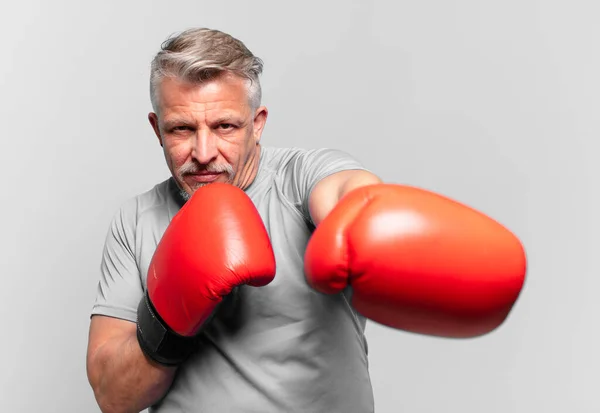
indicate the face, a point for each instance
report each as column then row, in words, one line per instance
column 209, row 132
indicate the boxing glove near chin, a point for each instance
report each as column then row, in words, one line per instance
column 417, row 261
column 216, row 242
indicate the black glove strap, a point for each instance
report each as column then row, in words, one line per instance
column 157, row 340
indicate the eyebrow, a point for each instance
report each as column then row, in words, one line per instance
column 169, row 123
column 225, row 118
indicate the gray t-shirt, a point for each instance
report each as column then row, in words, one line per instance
column 279, row 348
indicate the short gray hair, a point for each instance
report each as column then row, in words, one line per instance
column 200, row 54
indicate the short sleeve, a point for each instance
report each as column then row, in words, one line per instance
column 307, row 167
column 120, row 287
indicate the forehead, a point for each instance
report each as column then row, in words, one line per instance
column 224, row 92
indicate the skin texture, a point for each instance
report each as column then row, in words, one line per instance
column 122, row 377
column 209, row 133
column 209, row 128
column 330, row 190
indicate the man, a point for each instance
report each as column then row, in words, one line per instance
column 243, row 282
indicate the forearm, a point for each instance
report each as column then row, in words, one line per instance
column 330, row 190
column 124, row 379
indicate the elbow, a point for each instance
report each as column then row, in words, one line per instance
column 101, row 393
column 94, row 379
column 108, row 404
column 93, row 373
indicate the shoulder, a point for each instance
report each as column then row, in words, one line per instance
column 283, row 158
column 276, row 157
column 132, row 209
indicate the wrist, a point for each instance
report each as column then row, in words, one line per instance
column 157, row 341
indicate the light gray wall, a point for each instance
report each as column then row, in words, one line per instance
column 492, row 103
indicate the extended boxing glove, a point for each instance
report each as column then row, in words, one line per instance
column 417, row 261
column 216, row 242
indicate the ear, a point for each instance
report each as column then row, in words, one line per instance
column 260, row 118
column 153, row 118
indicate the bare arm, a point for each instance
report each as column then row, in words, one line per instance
column 330, row 190
column 123, row 379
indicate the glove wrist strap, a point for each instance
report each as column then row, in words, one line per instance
column 157, row 340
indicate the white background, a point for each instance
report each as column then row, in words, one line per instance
column 492, row 103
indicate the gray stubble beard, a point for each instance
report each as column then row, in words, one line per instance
column 228, row 169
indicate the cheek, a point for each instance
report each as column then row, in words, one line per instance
column 233, row 150
column 247, row 141
column 177, row 152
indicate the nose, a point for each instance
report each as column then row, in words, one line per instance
column 205, row 147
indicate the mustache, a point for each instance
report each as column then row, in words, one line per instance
column 193, row 168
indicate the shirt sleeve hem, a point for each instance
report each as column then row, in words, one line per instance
column 126, row 314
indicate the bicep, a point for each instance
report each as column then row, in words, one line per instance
column 105, row 328
column 102, row 330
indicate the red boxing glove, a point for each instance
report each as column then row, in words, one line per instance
column 215, row 243
column 417, row 261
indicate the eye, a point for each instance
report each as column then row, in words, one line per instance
column 226, row 126
column 181, row 128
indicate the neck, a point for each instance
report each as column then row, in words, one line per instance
column 250, row 169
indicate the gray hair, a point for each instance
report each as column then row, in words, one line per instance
column 201, row 54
